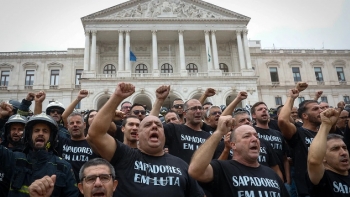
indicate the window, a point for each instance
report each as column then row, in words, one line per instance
column 223, row 67
column 346, row 99
column 78, row 73
column 109, row 69
column 55, row 77
column 29, row 78
column 340, row 73
column 296, row 74
column 141, row 68
column 278, row 100
column 78, row 105
column 318, row 74
column 166, row 68
column 274, row 74
column 5, row 75
column 324, row 99
column 301, row 99
column 192, row 68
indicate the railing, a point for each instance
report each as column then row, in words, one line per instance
column 308, row 51
column 77, row 86
column 342, row 82
column 320, row 82
column 28, row 87
column 3, row 87
column 231, row 74
column 54, row 87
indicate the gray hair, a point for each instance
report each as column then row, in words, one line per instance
column 75, row 114
column 207, row 113
column 96, row 162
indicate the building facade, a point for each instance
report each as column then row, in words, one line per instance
column 188, row 44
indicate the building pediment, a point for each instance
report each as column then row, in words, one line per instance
column 165, row 9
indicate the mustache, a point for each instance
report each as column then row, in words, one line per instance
column 98, row 190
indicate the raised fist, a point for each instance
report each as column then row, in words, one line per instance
column 301, row 86
column 162, row 92
column 209, row 92
column 124, row 90
column 40, row 96
column 82, row 94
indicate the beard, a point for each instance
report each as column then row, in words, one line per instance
column 314, row 120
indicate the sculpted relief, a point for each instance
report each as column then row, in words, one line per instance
column 164, row 9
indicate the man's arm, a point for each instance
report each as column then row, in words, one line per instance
column 239, row 98
column 288, row 129
column 39, row 99
column 97, row 134
column 200, row 168
column 82, row 94
column 208, row 93
column 226, row 151
column 318, row 147
column 318, row 94
column 162, row 93
column 23, row 109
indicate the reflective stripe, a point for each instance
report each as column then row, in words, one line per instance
column 24, row 189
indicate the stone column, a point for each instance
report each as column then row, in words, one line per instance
column 209, row 56
column 246, row 49
column 127, row 50
column 121, row 66
column 240, row 50
column 93, row 51
column 154, row 51
column 215, row 50
column 87, row 51
column 182, row 51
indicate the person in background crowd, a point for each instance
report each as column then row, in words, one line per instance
column 328, row 160
column 81, row 95
column 207, row 105
column 126, row 108
column 38, row 160
column 139, row 111
column 342, row 122
column 227, row 177
column 130, row 128
column 133, row 166
column 300, row 138
column 172, row 117
column 178, row 107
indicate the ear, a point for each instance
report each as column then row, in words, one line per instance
column 81, row 189
column 123, row 129
column 304, row 115
column 233, row 145
column 115, row 184
column 254, row 116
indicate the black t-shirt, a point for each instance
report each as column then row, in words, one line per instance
column 277, row 142
column 76, row 153
column 300, row 142
column 232, row 178
column 183, row 141
column 331, row 185
column 139, row 174
column 273, row 124
column 207, row 128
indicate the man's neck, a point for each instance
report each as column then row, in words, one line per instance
column 309, row 126
column 262, row 125
column 131, row 144
column 196, row 127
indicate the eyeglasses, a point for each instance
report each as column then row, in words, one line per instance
column 195, row 108
column 56, row 110
column 126, row 107
column 104, row 178
column 178, row 106
column 216, row 112
column 137, row 112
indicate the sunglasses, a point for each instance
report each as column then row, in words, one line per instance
column 195, row 108
column 137, row 112
column 216, row 112
column 178, row 106
column 56, row 110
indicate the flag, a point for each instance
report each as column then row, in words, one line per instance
column 208, row 55
column 132, row 56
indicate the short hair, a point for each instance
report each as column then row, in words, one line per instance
column 232, row 136
column 239, row 113
column 207, row 113
column 75, row 114
column 332, row 136
column 137, row 104
column 125, row 102
column 252, row 110
column 207, row 103
column 302, row 107
column 126, row 119
column 95, row 162
column 172, row 111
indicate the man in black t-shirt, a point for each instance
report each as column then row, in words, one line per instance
column 328, row 160
column 130, row 128
column 146, row 171
column 242, row 176
column 300, row 138
column 261, row 116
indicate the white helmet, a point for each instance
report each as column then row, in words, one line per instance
column 54, row 104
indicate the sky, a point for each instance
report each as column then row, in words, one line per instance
column 49, row 25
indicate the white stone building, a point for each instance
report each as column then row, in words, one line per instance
column 188, row 44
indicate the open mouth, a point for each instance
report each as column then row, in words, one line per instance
column 133, row 134
column 254, row 148
column 98, row 194
column 154, row 137
column 39, row 141
column 345, row 161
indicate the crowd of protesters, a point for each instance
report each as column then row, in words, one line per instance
column 195, row 148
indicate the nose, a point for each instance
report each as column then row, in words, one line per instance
column 98, row 182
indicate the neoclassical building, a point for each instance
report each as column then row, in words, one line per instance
column 188, row 44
